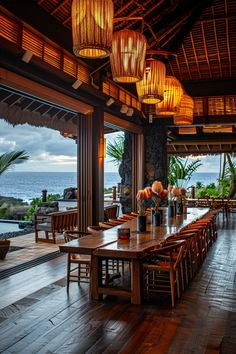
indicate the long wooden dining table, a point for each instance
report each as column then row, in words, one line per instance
column 107, row 246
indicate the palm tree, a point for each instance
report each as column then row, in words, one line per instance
column 115, row 150
column 181, row 170
column 228, row 172
column 8, row 159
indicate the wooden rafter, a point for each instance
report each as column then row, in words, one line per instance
column 58, row 6
column 205, row 48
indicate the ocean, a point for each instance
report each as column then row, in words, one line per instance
column 29, row 185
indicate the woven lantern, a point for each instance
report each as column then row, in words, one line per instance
column 185, row 111
column 151, row 89
column 92, row 27
column 128, row 56
column 172, row 96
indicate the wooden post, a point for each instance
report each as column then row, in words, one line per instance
column 98, row 166
column 84, row 171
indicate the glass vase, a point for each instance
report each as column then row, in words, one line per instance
column 141, row 223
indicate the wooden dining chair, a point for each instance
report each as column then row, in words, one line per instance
column 78, row 266
column 111, row 212
column 163, row 274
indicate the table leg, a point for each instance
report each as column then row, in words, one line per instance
column 136, row 282
column 95, row 278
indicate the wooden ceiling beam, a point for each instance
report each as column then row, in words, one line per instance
column 58, row 6
column 186, row 28
column 30, row 12
column 205, row 139
column 200, row 121
column 216, row 87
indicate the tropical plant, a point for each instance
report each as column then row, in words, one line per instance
column 8, row 159
column 35, row 203
column 181, row 169
column 227, row 178
column 115, row 150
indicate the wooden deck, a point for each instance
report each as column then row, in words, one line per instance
column 46, row 320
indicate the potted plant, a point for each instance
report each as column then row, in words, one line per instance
column 158, row 194
column 4, row 248
column 142, row 217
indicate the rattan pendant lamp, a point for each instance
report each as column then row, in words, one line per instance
column 92, row 27
column 151, row 89
column 185, row 111
column 128, row 56
column 173, row 93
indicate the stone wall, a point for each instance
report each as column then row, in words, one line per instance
column 155, row 153
column 125, row 171
column 155, row 162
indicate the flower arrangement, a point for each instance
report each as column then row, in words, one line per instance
column 158, row 194
column 141, row 197
column 170, row 195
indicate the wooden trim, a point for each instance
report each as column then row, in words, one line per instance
column 84, row 171
column 122, row 124
column 33, row 88
column 137, row 166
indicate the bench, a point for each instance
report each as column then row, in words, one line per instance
column 54, row 223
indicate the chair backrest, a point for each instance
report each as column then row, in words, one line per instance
column 73, row 235
column 111, row 212
column 95, row 229
column 172, row 248
column 105, row 225
column 47, row 208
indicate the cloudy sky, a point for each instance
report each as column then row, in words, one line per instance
column 50, row 152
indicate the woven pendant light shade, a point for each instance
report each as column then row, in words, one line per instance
column 172, row 96
column 151, row 89
column 185, row 111
column 92, row 27
column 128, row 56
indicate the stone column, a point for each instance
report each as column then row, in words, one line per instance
column 125, row 171
column 155, row 153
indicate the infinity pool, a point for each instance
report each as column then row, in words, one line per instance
column 8, row 227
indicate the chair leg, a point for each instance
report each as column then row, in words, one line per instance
column 54, row 236
column 172, row 287
column 36, row 236
column 68, row 273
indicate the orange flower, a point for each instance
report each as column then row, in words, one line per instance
column 176, row 192
column 157, row 187
column 141, row 195
column 164, row 194
column 148, row 191
column 183, row 191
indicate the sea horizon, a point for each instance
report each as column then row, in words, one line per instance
column 27, row 185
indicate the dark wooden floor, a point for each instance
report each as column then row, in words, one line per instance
column 49, row 321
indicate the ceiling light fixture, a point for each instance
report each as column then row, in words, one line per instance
column 173, row 93
column 151, row 89
column 77, row 84
column 110, row 101
column 92, row 27
column 27, row 56
column 130, row 112
column 128, row 56
column 124, row 109
column 185, row 111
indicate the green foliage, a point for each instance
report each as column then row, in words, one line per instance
column 107, row 190
column 9, row 159
column 36, row 201
column 115, row 150
column 221, row 190
column 181, row 169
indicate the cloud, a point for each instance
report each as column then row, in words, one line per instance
column 47, row 148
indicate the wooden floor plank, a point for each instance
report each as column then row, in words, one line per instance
column 47, row 320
